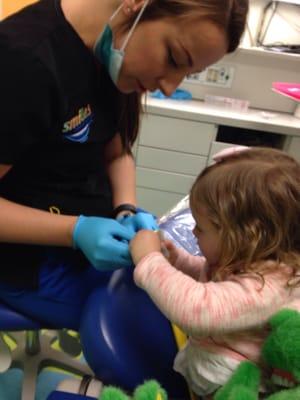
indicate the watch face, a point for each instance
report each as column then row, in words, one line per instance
column 127, row 208
column 124, row 214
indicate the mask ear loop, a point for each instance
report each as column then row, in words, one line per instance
column 134, row 24
column 116, row 12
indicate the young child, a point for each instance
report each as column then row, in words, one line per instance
column 247, row 213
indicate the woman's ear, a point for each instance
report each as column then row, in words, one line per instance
column 138, row 4
column 132, row 6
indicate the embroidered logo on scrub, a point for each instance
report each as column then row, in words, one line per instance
column 77, row 129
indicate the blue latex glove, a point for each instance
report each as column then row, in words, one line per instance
column 138, row 221
column 104, row 242
column 178, row 94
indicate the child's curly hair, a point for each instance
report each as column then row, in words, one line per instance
column 253, row 199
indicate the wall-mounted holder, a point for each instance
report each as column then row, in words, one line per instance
column 291, row 90
column 218, row 75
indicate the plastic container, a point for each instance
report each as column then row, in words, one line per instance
column 227, row 102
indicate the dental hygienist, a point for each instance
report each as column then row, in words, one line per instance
column 71, row 77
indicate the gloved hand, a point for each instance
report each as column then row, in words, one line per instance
column 104, row 241
column 138, row 221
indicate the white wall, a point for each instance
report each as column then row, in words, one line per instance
column 254, row 72
column 256, row 69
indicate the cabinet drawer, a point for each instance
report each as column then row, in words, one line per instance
column 177, row 134
column 157, row 202
column 166, row 181
column 172, row 161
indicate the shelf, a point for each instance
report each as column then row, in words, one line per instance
column 260, row 52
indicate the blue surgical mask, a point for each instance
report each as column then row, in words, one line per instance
column 104, row 50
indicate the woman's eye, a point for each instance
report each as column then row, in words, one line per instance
column 171, row 59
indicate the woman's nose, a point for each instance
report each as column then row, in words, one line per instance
column 169, row 83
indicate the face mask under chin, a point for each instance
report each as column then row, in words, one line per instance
column 104, row 50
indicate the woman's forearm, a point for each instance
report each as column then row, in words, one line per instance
column 121, row 171
column 21, row 224
column 122, row 177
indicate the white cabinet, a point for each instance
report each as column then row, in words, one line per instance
column 172, row 150
column 170, row 154
column 293, row 147
column 178, row 139
column 171, row 161
column 177, row 134
column 156, row 201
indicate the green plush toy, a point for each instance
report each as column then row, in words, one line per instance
column 281, row 354
column 149, row 390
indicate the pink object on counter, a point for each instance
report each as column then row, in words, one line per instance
column 288, row 89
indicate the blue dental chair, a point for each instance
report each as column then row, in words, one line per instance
column 126, row 340
column 32, row 350
column 68, row 396
column 134, row 340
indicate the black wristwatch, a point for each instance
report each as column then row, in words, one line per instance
column 123, row 207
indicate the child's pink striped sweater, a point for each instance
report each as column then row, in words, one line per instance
column 227, row 318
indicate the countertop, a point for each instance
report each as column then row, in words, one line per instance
column 196, row 110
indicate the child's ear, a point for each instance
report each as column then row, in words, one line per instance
column 282, row 316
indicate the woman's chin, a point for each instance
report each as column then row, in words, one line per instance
column 125, row 88
column 130, row 86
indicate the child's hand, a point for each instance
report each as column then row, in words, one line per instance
column 171, row 251
column 143, row 243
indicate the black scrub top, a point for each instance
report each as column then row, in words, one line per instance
column 57, row 114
